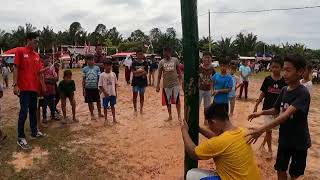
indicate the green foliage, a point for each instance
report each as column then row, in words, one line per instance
column 154, row 42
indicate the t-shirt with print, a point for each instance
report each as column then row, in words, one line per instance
column 222, row 82
column 232, row 155
column 91, row 76
column 140, row 81
column 205, row 74
column 169, row 68
column 271, row 89
column 235, row 81
column 294, row 132
column 108, row 81
column 245, row 70
column 50, row 84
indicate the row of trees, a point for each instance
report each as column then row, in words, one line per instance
column 154, row 41
column 77, row 35
column 248, row 45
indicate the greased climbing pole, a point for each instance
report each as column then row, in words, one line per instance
column 190, row 41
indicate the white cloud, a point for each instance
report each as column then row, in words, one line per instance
column 128, row 15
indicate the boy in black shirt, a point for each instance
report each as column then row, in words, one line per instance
column 270, row 90
column 139, row 81
column 294, row 137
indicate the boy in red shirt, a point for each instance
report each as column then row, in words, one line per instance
column 26, row 83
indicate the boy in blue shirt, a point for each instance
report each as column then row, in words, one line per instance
column 90, row 81
column 222, row 83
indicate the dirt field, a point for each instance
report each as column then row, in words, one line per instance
column 140, row 147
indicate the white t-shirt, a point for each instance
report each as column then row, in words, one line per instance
column 308, row 85
column 108, row 81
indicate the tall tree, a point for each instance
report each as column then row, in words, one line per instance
column 245, row 44
column 224, row 48
column 114, row 36
column 47, row 38
column 137, row 36
column 75, row 30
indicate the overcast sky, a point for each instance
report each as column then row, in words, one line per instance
column 127, row 15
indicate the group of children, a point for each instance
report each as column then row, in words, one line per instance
column 286, row 101
column 222, row 85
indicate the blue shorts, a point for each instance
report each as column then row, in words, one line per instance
column 110, row 99
column 137, row 89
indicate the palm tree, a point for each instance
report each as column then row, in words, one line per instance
column 224, row 48
column 245, row 44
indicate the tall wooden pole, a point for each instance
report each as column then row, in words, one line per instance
column 190, row 43
column 209, row 13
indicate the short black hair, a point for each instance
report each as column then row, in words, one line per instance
column 89, row 57
column 98, row 44
column 67, row 73
column 297, row 60
column 107, row 62
column 32, row 35
column 278, row 60
column 207, row 53
column 224, row 60
column 216, row 111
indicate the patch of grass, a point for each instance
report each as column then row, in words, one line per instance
column 61, row 163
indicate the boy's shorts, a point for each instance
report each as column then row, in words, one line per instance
column 298, row 161
column 170, row 96
column 110, row 99
column 92, row 95
column 137, row 89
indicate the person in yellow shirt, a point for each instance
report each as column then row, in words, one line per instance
column 226, row 145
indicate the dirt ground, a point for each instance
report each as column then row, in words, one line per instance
column 140, row 147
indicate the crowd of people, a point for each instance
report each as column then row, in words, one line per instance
column 286, row 101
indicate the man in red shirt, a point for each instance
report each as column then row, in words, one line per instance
column 26, row 83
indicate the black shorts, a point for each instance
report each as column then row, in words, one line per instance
column 92, row 95
column 298, row 161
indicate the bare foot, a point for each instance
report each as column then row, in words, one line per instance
column 93, row 118
column 115, row 121
column 179, row 118
column 75, row 120
column 169, row 119
column 101, row 115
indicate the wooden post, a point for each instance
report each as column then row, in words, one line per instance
column 190, row 43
